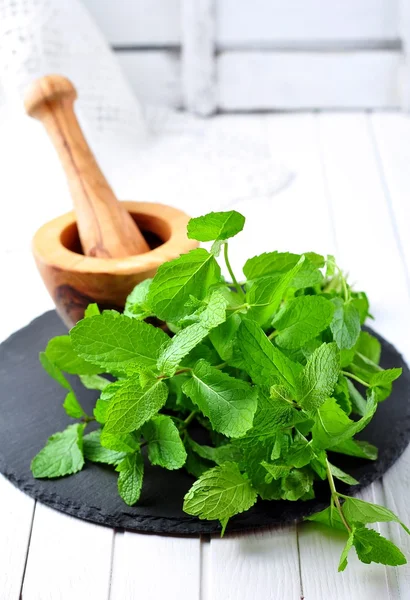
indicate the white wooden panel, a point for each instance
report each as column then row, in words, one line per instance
column 392, row 139
column 254, row 565
column 68, row 558
column 392, row 136
column 152, row 566
column 297, row 80
column 137, row 22
column 198, row 61
column 241, row 22
column 16, row 513
column 318, row 545
column 154, row 75
column 357, row 197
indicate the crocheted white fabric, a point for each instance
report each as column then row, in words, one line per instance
column 154, row 154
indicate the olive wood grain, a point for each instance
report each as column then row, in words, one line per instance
column 74, row 280
column 105, row 228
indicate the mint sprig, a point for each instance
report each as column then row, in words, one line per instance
column 275, row 369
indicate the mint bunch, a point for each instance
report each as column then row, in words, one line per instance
column 269, row 366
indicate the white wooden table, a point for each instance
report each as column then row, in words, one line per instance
column 350, row 197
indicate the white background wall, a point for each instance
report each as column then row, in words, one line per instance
column 234, row 55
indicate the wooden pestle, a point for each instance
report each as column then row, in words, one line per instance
column 105, row 228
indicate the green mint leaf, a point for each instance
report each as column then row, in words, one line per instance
column 356, row 448
column 274, row 263
column 136, row 305
column 116, row 342
column 345, row 477
column 372, row 547
column 220, row 493
column 72, row 407
column 223, row 337
column 94, row 382
column 165, row 447
column 329, row 517
column 330, row 265
column 301, row 320
column 191, row 274
column 383, row 378
column 345, row 325
column 300, row 453
column 53, row 371
column 92, row 310
column 272, row 415
column 357, row 400
column 333, row 426
column 126, row 442
column 359, row 511
column 132, row 406
column 265, row 295
column 296, row 484
column 216, row 226
column 319, row 376
column 345, row 552
column 219, row 455
column 196, row 465
column 62, row 455
column 275, row 471
column 131, row 474
column 101, row 406
column 229, row 403
column 186, row 339
column 265, row 363
column 61, row 353
column 369, row 346
column 94, row 451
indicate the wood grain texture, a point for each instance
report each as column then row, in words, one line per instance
column 105, row 228
column 254, row 565
column 74, row 280
column 154, row 566
column 300, row 80
column 198, row 60
column 68, row 558
column 16, row 514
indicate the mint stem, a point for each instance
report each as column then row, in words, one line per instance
column 335, row 495
column 190, row 417
column 347, row 374
column 231, row 273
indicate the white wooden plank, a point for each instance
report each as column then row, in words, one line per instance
column 299, row 80
column 152, row 566
column 240, row 21
column 254, row 565
column 371, row 255
column 392, row 136
column 366, row 243
column 155, row 75
column 404, row 32
column 16, row 513
column 68, row 558
column 321, row 546
column 198, row 62
column 392, row 141
column 141, row 23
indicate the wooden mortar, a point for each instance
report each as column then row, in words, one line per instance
column 74, row 280
column 100, row 252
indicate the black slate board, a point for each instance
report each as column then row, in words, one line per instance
column 31, row 411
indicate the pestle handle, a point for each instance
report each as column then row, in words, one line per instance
column 105, row 228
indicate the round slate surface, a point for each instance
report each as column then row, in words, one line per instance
column 31, row 411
